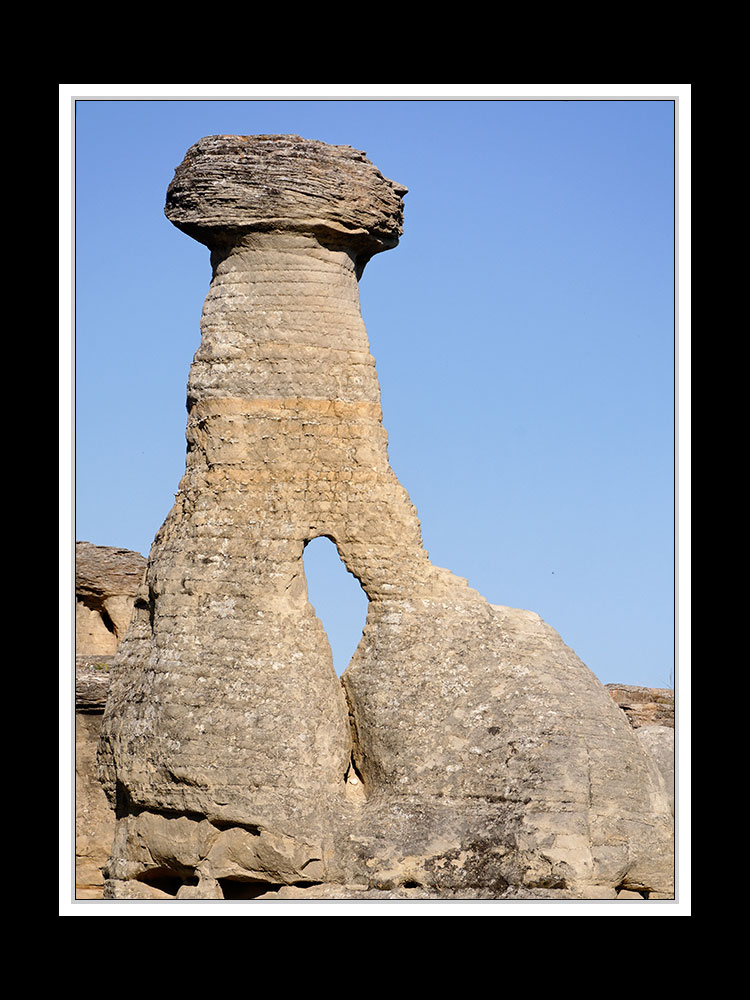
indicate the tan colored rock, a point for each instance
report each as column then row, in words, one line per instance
column 659, row 742
column 490, row 762
column 644, row 706
column 650, row 712
column 92, row 633
column 95, row 821
column 107, row 579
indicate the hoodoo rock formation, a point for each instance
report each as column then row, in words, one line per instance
column 466, row 752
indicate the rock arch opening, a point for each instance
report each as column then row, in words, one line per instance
column 338, row 598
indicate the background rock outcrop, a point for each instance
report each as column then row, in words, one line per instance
column 107, row 579
column 645, row 706
column 466, row 752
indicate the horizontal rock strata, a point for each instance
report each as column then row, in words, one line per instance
column 466, row 752
column 107, row 579
column 644, row 706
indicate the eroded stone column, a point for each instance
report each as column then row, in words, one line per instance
column 468, row 752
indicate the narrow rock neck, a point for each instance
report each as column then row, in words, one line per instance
column 282, row 319
column 285, row 418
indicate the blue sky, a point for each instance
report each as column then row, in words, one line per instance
column 523, row 332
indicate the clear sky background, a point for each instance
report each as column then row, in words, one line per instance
column 523, row 332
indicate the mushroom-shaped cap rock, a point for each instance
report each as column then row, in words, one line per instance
column 228, row 185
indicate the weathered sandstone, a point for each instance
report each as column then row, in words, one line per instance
column 466, row 752
column 660, row 743
column 107, row 579
column 650, row 712
column 644, row 706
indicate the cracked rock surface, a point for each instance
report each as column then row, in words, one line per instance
column 466, row 752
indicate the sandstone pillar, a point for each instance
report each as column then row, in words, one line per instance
column 468, row 751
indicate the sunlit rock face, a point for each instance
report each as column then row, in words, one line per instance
column 466, row 752
column 106, row 581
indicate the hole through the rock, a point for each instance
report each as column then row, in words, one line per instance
column 339, row 601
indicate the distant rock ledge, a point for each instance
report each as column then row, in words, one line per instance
column 644, row 706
